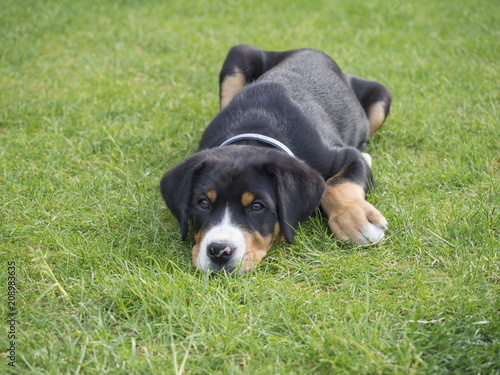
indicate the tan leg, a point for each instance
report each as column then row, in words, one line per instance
column 376, row 116
column 350, row 217
column 375, row 99
column 231, row 86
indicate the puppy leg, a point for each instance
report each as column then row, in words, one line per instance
column 231, row 84
column 243, row 65
column 375, row 99
column 350, row 217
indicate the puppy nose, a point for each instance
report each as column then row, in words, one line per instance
column 220, row 252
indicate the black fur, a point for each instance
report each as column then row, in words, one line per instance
column 176, row 186
column 300, row 98
column 290, row 188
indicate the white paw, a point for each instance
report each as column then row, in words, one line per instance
column 373, row 233
column 367, row 158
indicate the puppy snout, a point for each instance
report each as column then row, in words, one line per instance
column 220, row 252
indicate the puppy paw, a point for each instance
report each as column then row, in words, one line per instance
column 358, row 222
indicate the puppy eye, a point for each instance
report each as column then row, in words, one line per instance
column 257, row 206
column 203, row 203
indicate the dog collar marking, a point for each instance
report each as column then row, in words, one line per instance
column 258, row 137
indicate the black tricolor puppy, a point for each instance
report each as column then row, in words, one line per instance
column 289, row 136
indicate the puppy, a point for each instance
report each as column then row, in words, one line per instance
column 289, row 137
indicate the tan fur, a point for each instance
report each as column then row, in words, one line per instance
column 376, row 116
column 247, row 198
column 277, row 235
column 231, row 86
column 348, row 212
column 198, row 237
column 212, row 195
column 258, row 246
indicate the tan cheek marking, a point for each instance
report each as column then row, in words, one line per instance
column 212, row 195
column 258, row 246
column 196, row 252
column 336, row 201
column 376, row 116
column 277, row 235
column 247, row 198
column 231, row 86
column 198, row 237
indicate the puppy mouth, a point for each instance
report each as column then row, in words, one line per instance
column 225, row 257
column 229, row 264
column 224, row 269
column 225, row 247
column 221, row 247
column 219, row 257
column 222, row 256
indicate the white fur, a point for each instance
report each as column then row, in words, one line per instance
column 367, row 158
column 373, row 234
column 223, row 232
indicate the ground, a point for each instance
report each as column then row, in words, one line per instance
column 99, row 98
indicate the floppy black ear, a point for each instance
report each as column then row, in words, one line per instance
column 175, row 186
column 299, row 189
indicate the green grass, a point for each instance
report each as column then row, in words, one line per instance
column 99, row 99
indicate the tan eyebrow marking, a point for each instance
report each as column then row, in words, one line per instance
column 212, row 195
column 247, row 198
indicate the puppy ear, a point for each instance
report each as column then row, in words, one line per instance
column 299, row 189
column 176, row 186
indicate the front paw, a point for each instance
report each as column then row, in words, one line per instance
column 358, row 222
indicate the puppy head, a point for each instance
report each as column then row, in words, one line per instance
column 239, row 200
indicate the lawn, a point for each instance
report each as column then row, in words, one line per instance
column 99, row 98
